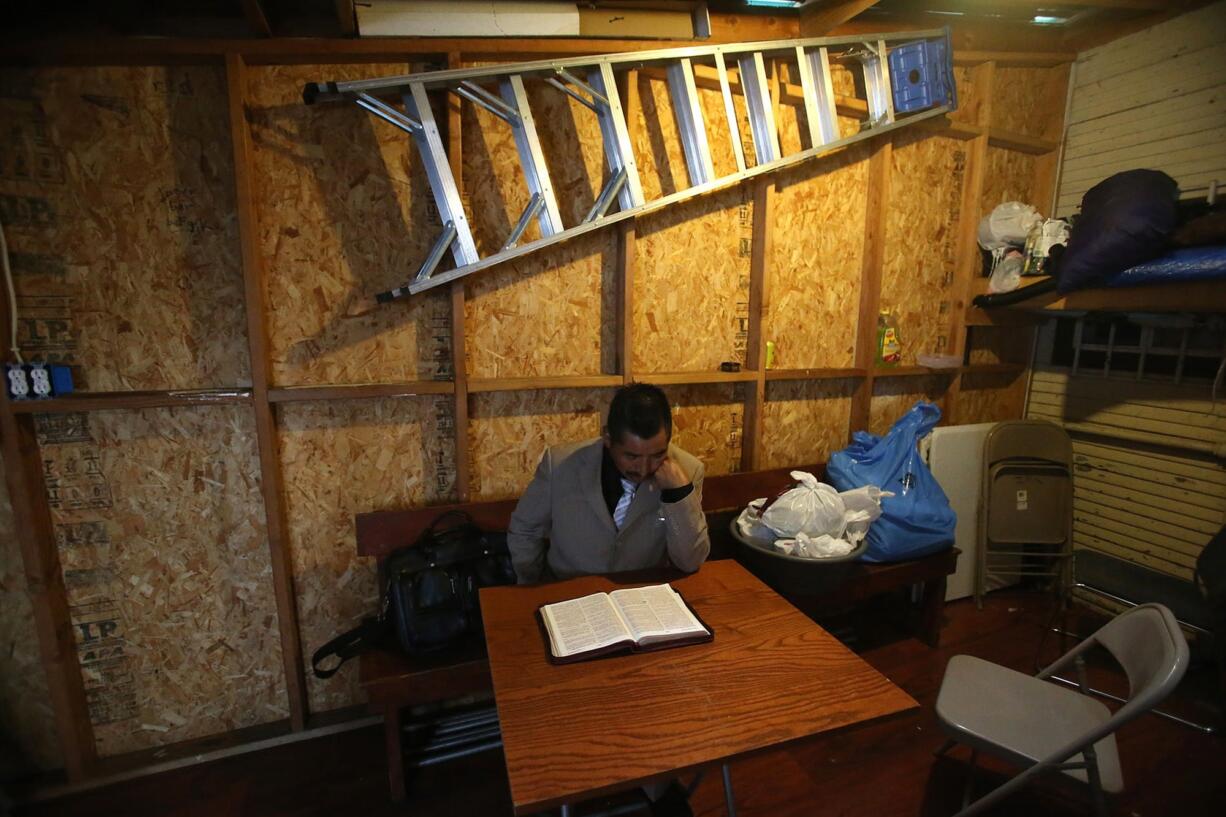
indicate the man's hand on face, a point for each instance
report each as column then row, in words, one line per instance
column 670, row 475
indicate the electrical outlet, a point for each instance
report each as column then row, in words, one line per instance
column 40, row 381
column 16, row 381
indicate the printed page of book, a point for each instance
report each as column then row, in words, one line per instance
column 584, row 624
column 656, row 613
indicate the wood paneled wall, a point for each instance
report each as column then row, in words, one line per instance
column 192, row 239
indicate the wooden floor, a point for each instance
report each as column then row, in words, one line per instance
column 886, row 769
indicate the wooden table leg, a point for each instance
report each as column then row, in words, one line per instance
column 932, row 604
column 392, row 740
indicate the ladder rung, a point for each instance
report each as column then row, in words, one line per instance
column 438, row 170
column 531, row 157
column 730, row 111
column 597, row 97
column 534, row 206
column 611, row 189
column 616, row 136
column 877, row 83
column 690, row 123
column 564, row 88
column 818, row 90
column 479, row 96
column 758, row 104
column 436, row 252
column 388, row 114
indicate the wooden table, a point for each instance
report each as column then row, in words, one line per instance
column 771, row 676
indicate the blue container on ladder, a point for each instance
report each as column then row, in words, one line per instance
column 920, row 76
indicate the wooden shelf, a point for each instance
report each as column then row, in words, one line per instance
column 697, row 378
column 814, row 374
column 128, row 400
column 994, row 368
column 359, row 391
column 581, row 381
column 955, row 130
column 912, row 371
column 925, row 371
column 1015, row 59
column 997, row 137
column 1187, row 296
column 1021, row 142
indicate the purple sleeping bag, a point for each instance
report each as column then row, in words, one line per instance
column 1124, row 221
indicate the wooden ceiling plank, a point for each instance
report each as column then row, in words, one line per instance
column 253, row 10
column 820, row 17
column 346, row 18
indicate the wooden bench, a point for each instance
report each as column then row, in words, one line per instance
column 394, row 682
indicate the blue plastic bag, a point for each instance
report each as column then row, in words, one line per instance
column 917, row 520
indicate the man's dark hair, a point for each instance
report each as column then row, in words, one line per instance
column 640, row 408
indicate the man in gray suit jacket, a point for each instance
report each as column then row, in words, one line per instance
column 625, row 501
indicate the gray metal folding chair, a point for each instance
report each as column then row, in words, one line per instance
column 1032, row 722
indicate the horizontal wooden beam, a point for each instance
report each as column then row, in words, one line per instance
column 880, row 372
column 358, row 391
column 593, row 381
column 1185, row 296
column 954, row 130
column 345, row 18
column 103, row 50
column 257, row 18
column 696, row 378
column 1130, row 5
column 997, row 137
column 993, row 368
column 1021, row 142
column 1015, row 59
column 822, row 16
column 814, row 374
column 1002, row 317
column 110, row 401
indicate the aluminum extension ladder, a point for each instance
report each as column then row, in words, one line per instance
column 922, row 88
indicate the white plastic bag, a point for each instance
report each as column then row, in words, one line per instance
column 1006, row 275
column 750, row 522
column 813, row 502
column 1007, row 225
column 817, row 547
column 863, row 506
column 812, row 508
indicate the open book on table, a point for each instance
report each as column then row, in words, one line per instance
column 635, row 619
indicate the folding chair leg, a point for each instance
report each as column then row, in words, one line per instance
column 969, row 786
column 999, row 793
column 1096, row 783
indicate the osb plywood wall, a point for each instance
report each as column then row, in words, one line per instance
column 1009, row 177
column 921, row 239
column 117, row 196
column 160, row 531
column 892, row 396
column 805, row 421
column 26, row 720
column 344, row 212
column 546, row 314
column 707, row 422
column 508, row 432
column 342, row 459
column 987, row 397
column 691, row 287
column 814, row 268
column 120, row 213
